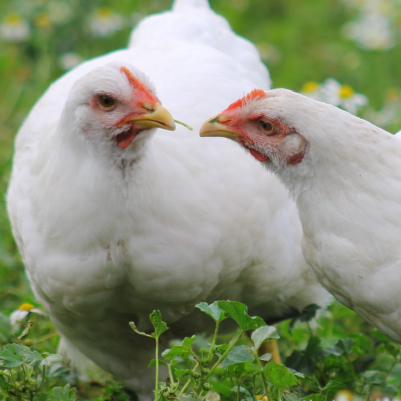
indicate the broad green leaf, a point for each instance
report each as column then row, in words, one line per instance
column 345, row 344
column 315, row 397
column 307, row 314
column 314, row 348
column 239, row 312
column 388, row 348
column 279, row 376
column 380, row 336
column 212, row 310
column 301, row 362
column 179, row 373
column 240, row 353
column 250, row 367
column 262, row 334
column 220, row 349
column 374, row 377
column 245, row 394
column 51, row 359
column 183, row 350
column 158, row 324
column 222, row 387
column 332, row 387
column 361, row 344
column 296, row 373
column 63, row 394
column 235, row 370
column 32, row 358
column 153, row 363
column 266, row 357
column 11, row 355
column 336, row 351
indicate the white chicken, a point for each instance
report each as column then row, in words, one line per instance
column 342, row 171
column 114, row 220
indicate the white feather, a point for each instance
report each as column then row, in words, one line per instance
column 348, row 192
column 189, row 222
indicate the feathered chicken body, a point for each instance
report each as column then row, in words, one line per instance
column 114, row 220
column 343, row 173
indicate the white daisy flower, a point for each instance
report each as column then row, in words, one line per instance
column 311, row 89
column 371, row 32
column 332, row 92
column 104, row 22
column 69, row 60
column 375, row 27
column 14, row 28
column 344, row 96
column 24, row 310
column 211, row 396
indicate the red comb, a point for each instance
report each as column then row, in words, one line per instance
column 138, row 84
column 254, row 95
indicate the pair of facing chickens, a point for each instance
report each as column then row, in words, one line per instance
column 116, row 216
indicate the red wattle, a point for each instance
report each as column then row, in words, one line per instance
column 124, row 139
column 258, row 156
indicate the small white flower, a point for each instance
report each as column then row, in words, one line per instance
column 371, row 32
column 70, row 60
column 14, row 28
column 375, row 26
column 104, row 22
column 212, row 396
column 311, row 89
column 24, row 310
column 332, row 92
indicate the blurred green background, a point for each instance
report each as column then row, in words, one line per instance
column 302, row 42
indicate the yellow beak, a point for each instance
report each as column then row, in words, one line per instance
column 214, row 128
column 159, row 117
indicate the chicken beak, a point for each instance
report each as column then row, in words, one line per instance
column 159, row 117
column 215, row 128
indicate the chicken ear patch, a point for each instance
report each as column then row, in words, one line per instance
column 294, row 146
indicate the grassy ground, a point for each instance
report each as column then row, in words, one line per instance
column 300, row 41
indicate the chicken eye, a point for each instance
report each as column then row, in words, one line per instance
column 107, row 102
column 265, row 126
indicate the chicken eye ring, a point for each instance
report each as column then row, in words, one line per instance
column 106, row 102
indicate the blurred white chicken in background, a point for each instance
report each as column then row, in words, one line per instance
column 115, row 220
column 345, row 175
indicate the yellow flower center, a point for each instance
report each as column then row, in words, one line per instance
column 104, row 12
column 346, row 92
column 42, row 20
column 259, row 397
column 26, row 306
column 310, row 87
column 13, row 19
